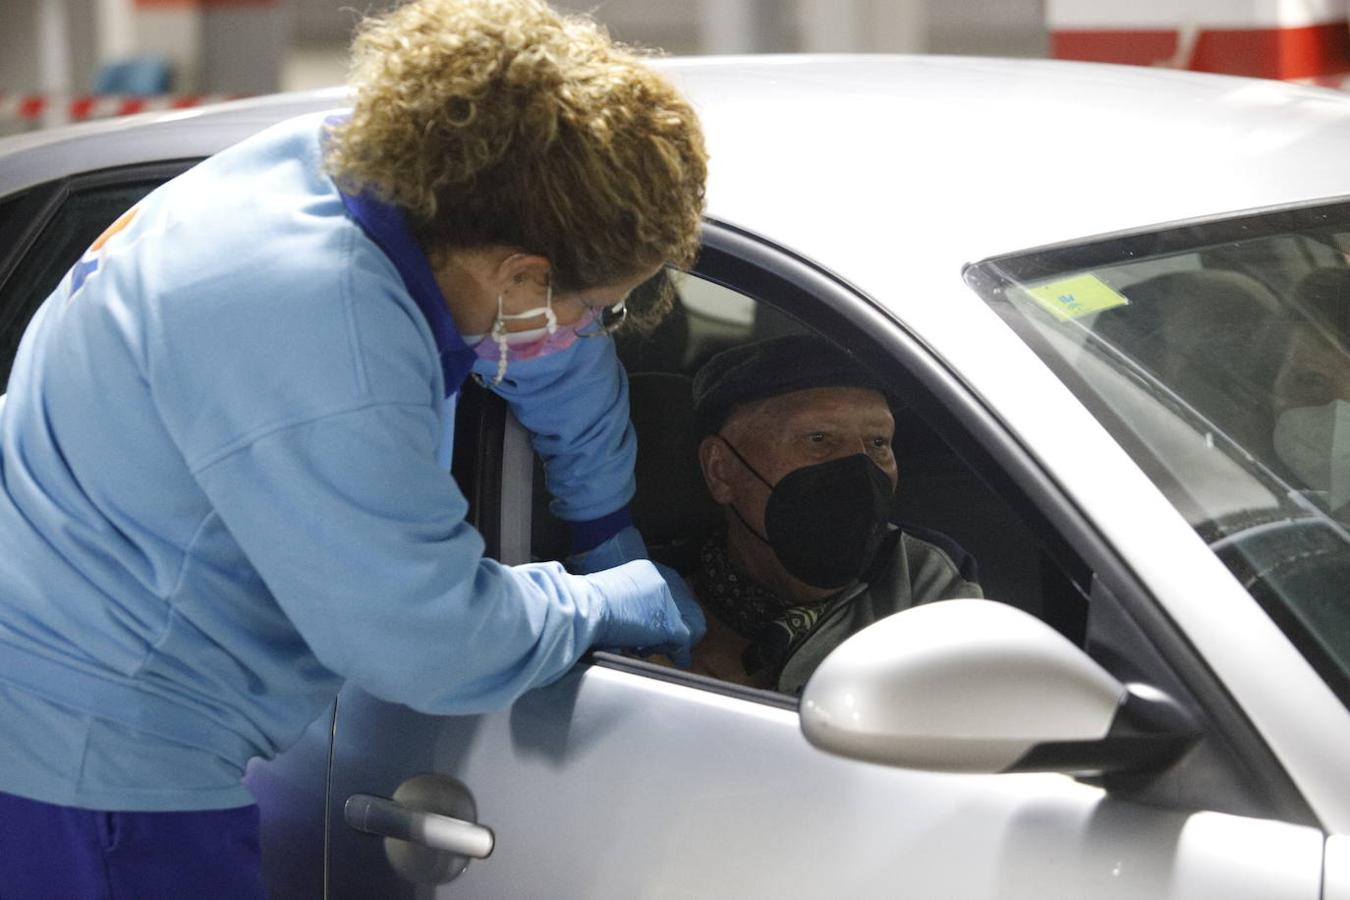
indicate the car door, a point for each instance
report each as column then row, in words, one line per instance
column 627, row 779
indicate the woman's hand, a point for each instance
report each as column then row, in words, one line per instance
column 648, row 608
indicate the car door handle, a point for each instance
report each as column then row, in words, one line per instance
column 387, row 818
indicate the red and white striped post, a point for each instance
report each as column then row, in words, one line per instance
column 1286, row 39
column 35, row 109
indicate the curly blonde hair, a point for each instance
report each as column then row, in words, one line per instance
column 504, row 122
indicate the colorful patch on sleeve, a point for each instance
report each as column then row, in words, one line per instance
column 89, row 262
column 1077, row 296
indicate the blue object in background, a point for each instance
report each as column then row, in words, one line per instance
column 139, row 76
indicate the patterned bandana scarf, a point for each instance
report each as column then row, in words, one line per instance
column 752, row 611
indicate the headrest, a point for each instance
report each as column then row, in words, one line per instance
column 672, row 502
column 1325, row 293
column 1211, row 335
column 1197, row 307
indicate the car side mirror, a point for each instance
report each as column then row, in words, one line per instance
column 979, row 686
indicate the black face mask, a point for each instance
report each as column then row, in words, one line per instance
column 825, row 522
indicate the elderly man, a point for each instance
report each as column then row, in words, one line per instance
column 796, row 449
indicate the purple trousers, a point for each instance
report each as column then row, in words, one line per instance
column 80, row 854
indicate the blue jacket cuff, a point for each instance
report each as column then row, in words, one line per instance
column 590, row 534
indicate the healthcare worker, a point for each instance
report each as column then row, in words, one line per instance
column 224, row 450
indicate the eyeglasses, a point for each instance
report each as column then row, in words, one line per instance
column 610, row 320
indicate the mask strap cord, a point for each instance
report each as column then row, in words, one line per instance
column 748, row 527
column 736, row 512
column 499, row 328
column 745, row 462
column 499, row 336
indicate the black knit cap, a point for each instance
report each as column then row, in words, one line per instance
column 770, row 368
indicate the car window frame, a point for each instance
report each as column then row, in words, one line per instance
column 39, row 206
column 25, row 212
column 43, row 202
column 750, row 264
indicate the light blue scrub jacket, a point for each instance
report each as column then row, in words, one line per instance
column 223, row 491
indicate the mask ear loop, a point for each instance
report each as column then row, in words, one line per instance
column 498, row 333
column 736, row 512
column 745, row 462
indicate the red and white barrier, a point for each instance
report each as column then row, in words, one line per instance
column 1286, row 39
column 40, row 108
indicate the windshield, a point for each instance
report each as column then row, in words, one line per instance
column 1218, row 355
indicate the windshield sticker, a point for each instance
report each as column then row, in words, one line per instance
column 1077, row 296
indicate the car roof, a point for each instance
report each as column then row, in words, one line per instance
column 969, row 157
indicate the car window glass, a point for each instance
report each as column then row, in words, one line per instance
column 941, row 503
column 76, row 224
column 1219, row 356
column 705, row 299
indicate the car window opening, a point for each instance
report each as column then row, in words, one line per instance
column 940, row 500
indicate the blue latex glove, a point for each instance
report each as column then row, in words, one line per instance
column 648, row 608
column 624, row 546
column 690, row 612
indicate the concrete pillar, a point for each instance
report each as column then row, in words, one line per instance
column 216, row 46
column 830, row 26
column 862, row 26
column 897, row 26
column 54, row 72
column 728, row 26
column 245, row 47
column 746, row 26
column 116, row 22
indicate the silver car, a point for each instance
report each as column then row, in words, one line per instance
column 1139, row 428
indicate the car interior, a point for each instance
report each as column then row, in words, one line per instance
column 1216, row 332
column 1220, row 348
column 940, row 499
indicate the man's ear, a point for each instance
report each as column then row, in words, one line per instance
column 714, row 460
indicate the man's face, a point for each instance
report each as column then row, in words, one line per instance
column 785, row 433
